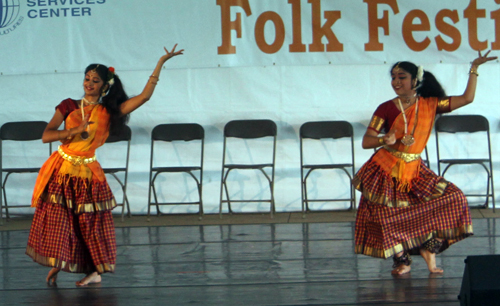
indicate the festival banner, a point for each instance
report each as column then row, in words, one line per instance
column 47, row 36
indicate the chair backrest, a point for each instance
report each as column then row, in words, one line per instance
column 462, row 124
column 249, row 129
column 330, row 131
column 326, row 129
column 469, row 145
column 22, row 130
column 124, row 135
column 178, row 132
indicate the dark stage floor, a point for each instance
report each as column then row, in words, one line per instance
column 247, row 264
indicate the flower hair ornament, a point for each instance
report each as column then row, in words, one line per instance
column 420, row 73
column 110, row 81
column 419, row 77
column 111, row 76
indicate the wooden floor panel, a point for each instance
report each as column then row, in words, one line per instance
column 259, row 264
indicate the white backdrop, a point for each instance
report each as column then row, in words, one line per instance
column 43, row 58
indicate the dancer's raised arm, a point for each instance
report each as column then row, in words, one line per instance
column 135, row 102
column 470, row 90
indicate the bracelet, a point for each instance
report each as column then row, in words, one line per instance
column 154, row 83
column 69, row 134
column 154, row 76
column 473, row 71
column 381, row 141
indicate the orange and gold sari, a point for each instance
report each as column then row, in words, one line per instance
column 73, row 226
column 403, row 202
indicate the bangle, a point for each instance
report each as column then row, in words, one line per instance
column 473, row 71
column 154, row 76
column 154, row 83
column 381, row 141
column 69, row 134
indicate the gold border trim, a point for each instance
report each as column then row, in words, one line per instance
column 376, row 123
column 406, row 157
column 443, row 105
column 76, row 160
column 382, row 199
column 65, row 266
column 81, row 208
column 452, row 235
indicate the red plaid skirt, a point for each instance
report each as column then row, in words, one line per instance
column 389, row 221
column 73, row 227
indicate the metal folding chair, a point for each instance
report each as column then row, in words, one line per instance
column 172, row 133
column 124, row 137
column 247, row 130
column 317, row 131
column 18, row 131
column 462, row 125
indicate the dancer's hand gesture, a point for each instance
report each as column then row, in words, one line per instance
column 483, row 59
column 171, row 54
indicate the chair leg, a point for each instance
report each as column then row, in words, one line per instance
column 302, row 203
column 224, row 184
column 273, row 207
column 149, row 198
column 6, row 206
column 306, row 202
column 353, row 195
column 156, row 201
column 125, row 202
column 492, row 191
column 492, row 188
column 221, row 198
column 486, row 204
column 230, row 210
column 200, row 209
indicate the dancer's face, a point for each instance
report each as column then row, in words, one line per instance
column 92, row 84
column 402, row 82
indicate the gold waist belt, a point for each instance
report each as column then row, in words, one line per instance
column 76, row 160
column 407, row 157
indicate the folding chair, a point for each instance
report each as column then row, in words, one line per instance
column 18, row 131
column 124, row 136
column 317, row 131
column 461, row 125
column 246, row 130
column 174, row 134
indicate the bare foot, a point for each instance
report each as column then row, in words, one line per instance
column 92, row 278
column 52, row 276
column 400, row 266
column 430, row 259
column 401, row 269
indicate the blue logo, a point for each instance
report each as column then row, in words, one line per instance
column 9, row 10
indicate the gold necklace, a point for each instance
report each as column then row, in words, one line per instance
column 408, row 100
column 85, row 134
column 88, row 102
column 408, row 139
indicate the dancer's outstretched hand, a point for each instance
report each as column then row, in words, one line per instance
column 483, row 59
column 171, row 54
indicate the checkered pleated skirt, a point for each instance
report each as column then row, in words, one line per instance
column 73, row 227
column 389, row 221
